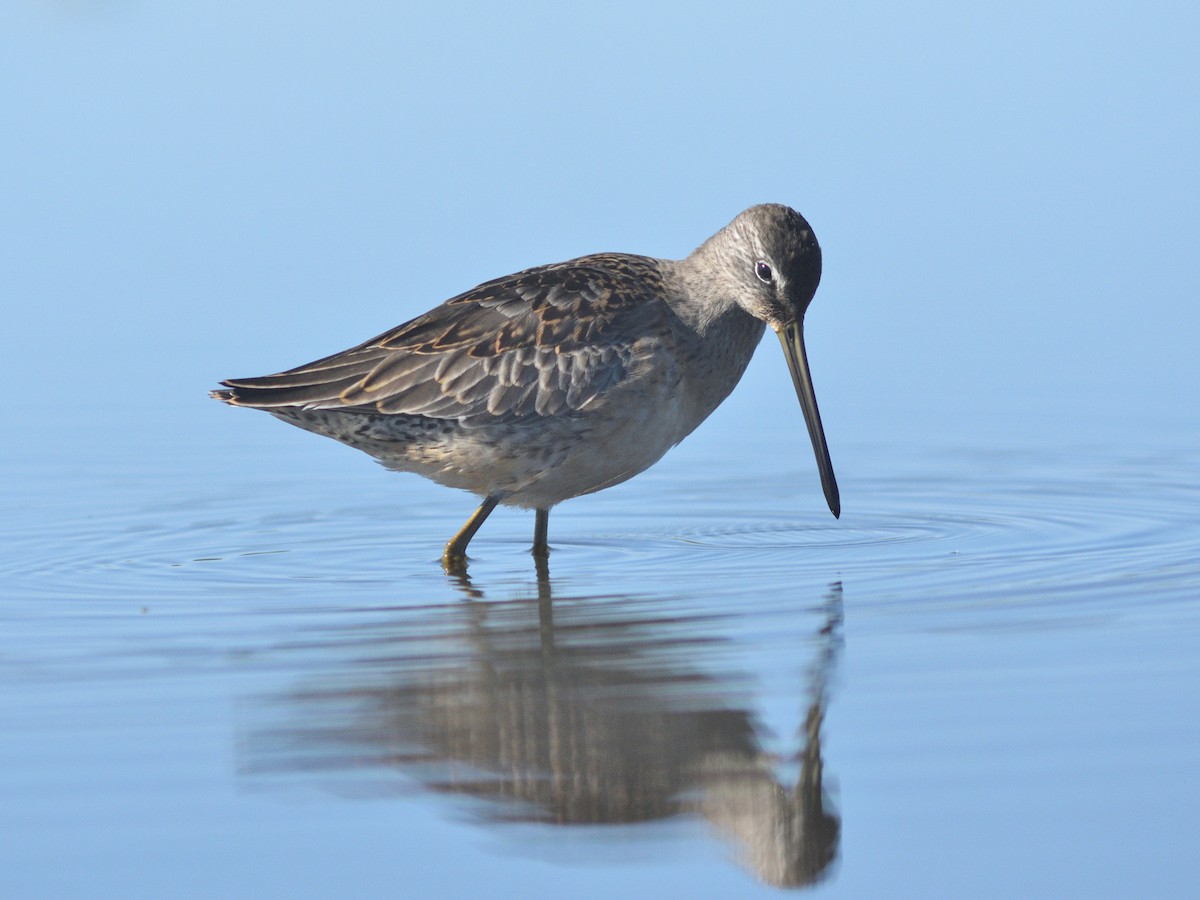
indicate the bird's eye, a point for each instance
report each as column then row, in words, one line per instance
column 763, row 271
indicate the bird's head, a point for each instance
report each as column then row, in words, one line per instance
column 775, row 259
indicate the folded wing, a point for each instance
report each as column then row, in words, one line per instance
column 541, row 342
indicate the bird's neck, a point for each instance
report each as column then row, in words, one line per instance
column 728, row 335
column 704, row 292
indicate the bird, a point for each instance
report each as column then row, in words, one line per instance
column 565, row 379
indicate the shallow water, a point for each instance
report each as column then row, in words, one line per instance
column 980, row 681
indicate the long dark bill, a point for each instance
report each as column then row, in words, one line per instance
column 792, row 338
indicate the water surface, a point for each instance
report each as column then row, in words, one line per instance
column 981, row 680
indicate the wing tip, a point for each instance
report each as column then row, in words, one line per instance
column 235, row 394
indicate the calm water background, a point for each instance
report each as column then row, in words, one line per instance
column 230, row 664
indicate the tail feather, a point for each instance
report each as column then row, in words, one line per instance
column 265, row 395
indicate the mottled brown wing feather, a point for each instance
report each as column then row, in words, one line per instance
column 543, row 341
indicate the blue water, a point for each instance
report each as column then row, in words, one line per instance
column 246, row 665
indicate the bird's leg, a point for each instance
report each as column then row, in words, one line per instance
column 541, row 525
column 455, row 554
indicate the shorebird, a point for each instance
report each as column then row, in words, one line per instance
column 564, row 379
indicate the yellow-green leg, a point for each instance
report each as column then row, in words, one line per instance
column 455, row 554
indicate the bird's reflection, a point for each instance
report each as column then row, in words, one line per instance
column 580, row 711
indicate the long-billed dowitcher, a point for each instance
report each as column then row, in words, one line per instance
column 564, row 379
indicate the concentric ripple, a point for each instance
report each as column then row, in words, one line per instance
column 1108, row 530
